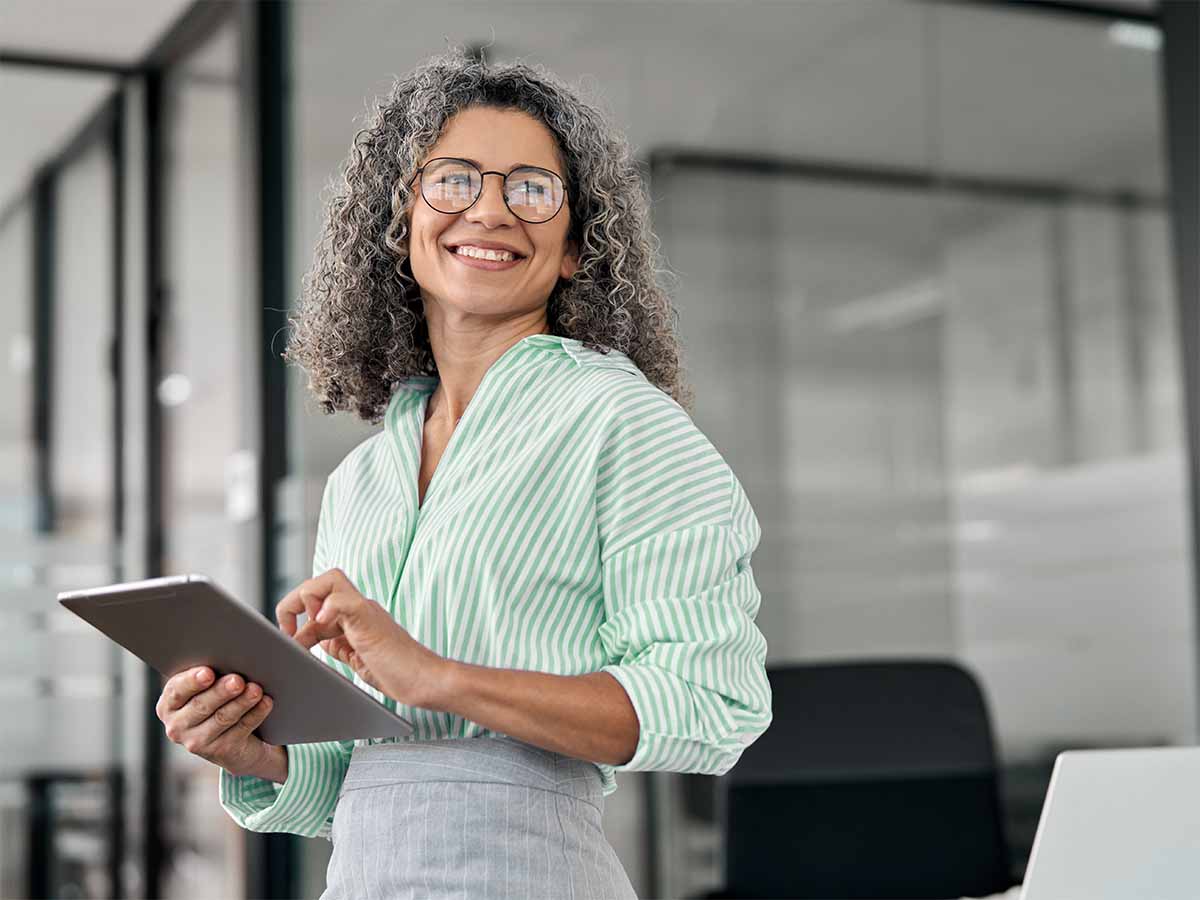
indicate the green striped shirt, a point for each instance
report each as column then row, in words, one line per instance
column 578, row 521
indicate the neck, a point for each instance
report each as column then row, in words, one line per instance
column 459, row 376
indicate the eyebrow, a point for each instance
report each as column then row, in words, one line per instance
column 517, row 166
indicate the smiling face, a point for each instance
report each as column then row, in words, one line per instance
column 458, row 290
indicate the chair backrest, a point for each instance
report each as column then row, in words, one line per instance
column 875, row 779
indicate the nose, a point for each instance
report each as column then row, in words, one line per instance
column 490, row 209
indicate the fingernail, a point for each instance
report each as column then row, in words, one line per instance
column 204, row 677
column 231, row 681
column 252, row 691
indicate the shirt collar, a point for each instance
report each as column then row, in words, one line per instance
column 534, row 343
column 403, row 419
column 583, row 356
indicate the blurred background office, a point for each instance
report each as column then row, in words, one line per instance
column 937, row 286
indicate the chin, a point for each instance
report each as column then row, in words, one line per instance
column 476, row 305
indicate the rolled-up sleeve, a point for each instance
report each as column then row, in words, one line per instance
column 676, row 534
column 305, row 802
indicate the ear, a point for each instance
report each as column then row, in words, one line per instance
column 570, row 263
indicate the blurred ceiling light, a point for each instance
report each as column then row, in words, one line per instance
column 888, row 309
column 174, row 389
column 1136, row 35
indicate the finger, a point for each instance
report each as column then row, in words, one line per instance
column 204, row 704
column 350, row 657
column 257, row 714
column 314, row 631
column 317, row 600
column 229, row 714
column 327, row 623
column 339, row 648
column 312, row 605
column 299, row 598
column 335, row 604
column 287, row 609
column 181, row 687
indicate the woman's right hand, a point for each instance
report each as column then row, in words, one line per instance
column 216, row 721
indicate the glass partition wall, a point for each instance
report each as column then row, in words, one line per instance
column 18, row 695
column 925, row 294
column 64, row 689
column 207, row 396
column 958, row 400
column 931, row 496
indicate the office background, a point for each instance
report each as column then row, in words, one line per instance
column 937, row 286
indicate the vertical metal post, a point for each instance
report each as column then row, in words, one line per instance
column 1180, row 22
column 43, row 346
column 153, row 845
column 269, row 100
column 116, row 142
column 39, row 861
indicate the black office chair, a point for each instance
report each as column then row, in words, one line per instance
column 875, row 779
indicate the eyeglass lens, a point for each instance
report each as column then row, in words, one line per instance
column 451, row 185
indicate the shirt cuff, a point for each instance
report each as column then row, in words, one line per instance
column 301, row 805
column 672, row 732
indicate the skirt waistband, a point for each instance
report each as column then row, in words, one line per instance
column 498, row 759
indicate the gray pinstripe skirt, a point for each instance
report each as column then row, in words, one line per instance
column 487, row 817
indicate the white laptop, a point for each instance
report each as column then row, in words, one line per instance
column 1119, row 825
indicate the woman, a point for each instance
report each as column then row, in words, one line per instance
column 540, row 561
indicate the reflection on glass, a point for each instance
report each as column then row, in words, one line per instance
column 957, row 413
column 205, row 396
column 63, row 748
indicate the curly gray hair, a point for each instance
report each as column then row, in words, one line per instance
column 360, row 326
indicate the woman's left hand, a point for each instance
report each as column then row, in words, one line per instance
column 359, row 632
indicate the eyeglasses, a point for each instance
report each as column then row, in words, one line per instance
column 452, row 185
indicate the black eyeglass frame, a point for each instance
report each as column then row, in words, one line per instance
column 504, row 194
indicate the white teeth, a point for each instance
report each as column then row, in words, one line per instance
column 479, row 253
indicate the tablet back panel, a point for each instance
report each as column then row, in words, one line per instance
column 183, row 621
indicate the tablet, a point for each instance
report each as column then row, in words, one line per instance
column 182, row 621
